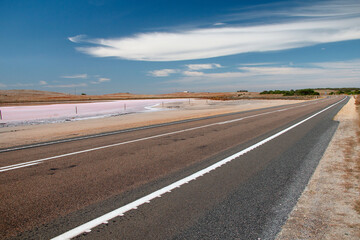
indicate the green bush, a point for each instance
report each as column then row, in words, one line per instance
column 299, row 92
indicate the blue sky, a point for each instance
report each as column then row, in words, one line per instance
column 160, row 46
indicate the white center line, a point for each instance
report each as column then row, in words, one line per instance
column 86, row 227
column 38, row 161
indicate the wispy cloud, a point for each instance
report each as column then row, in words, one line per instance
column 67, row 85
column 191, row 70
column 101, row 80
column 22, row 85
column 258, row 64
column 323, row 74
column 327, row 22
column 290, row 10
column 80, row 76
column 16, row 85
column 77, row 38
column 333, row 8
column 42, row 82
column 203, row 66
column 104, row 79
column 163, row 72
column 192, row 73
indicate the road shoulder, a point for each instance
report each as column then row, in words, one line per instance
column 329, row 207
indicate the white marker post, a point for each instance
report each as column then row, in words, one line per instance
column 0, row 115
column 76, row 109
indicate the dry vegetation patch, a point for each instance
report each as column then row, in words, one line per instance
column 30, row 97
column 25, row 97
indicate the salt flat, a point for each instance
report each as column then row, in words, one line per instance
column 29, row 134
column 21, row 115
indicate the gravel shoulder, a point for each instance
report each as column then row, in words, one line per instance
column 329, row 207
column 30, row 134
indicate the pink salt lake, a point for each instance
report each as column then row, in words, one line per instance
column 77, row 111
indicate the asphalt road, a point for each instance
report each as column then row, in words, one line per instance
column 48, row 190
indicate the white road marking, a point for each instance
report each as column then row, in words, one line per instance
column 21, row 166
column 134, row 205
column 30, row 163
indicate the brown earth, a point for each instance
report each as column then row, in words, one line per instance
column 329, row 207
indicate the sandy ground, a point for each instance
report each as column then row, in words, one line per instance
column 329, row 207
column 21, row 135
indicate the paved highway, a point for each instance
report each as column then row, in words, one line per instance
column 224, row 177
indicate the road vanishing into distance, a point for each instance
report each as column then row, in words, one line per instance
column 234, row 176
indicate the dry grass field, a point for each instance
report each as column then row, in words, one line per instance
column 25, row 97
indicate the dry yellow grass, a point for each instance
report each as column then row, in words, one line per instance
column 25, row 97
column 14, row 97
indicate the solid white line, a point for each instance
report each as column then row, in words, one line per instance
column 21, row 166
column 133, row 205
column 25, row 164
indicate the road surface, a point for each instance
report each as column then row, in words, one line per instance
column 224, row 177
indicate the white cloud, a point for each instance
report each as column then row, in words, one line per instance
column 323, row 74
column 258, row 64
column 203, row 66
column 67, row 85
column 42, row 82
column 219, row 24
column 192, row 73
column 353, row 65
column 326, row 9
column 307, row 26
column 77, row 38
column 2, row 85
column 289, row 10
column 104, row 79
column 278, row 70
column 81, row 76
column 101, row 80
column 163, row 72
column 22, row 85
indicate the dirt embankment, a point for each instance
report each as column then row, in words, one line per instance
column 329, row 207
